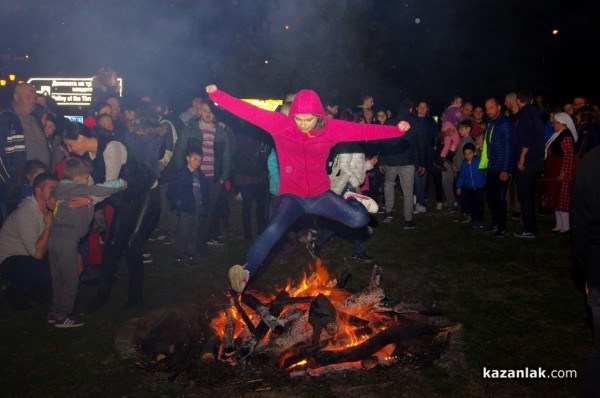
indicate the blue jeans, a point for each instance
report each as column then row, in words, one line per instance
column 420, row 187
column 291, row 207
column 356, row 235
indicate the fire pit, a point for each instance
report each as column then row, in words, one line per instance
column 309, row 329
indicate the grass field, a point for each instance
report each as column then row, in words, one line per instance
column 516, row 298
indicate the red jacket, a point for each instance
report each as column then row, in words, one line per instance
column 302, row 157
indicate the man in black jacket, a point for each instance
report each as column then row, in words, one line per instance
column 529, row 141
column 400, row 157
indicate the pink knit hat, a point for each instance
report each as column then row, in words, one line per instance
column 448, row 126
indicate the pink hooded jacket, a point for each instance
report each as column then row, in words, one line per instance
column 302, row 156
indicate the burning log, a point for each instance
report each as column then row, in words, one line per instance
column 359, row 302
column 244, row 316
column 261, row 330
column 275, row 309
column 271, row 321
column 228, row 346
column 292, row 314
column 328, row 369
column 351, row 319
column 297, row 331
column 394, row 334
column 321, row 315
column 292, row 300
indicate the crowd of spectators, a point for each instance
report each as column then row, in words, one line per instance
column 180, row 170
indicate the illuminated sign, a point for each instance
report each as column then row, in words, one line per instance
column 68, row 91
column 75, row 118
column 269, row 104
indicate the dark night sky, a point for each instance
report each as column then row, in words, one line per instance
column 427, row 49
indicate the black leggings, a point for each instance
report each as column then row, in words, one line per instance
column 129, row 231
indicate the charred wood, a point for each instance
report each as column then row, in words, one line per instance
column 244, row 315
column 266, row 317
column 343, row 277
column 292, row 300
column 228, row 344
column 321, row 315
column 328, row 369
column 362, row 301
column 418, row 308
column 351, row 320
column 298, row 331
column 275, row 309
column 394, row 334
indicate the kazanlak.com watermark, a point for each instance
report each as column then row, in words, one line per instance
column 529, row 373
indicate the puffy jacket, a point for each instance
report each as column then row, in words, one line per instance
column 500, row 142
column 470, row 176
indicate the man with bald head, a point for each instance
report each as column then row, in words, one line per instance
column 192, row 111
column 22, row 138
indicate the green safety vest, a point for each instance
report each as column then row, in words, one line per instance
column 483, row 161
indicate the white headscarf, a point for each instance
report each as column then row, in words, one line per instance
column 564, row 118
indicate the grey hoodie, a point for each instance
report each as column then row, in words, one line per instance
column 75, row 223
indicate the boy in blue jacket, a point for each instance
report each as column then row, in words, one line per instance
column 470, row 186
column 188, row 196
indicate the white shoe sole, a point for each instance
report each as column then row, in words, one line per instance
column 238, row 278
column 366, row 201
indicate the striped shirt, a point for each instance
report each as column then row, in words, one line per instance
column 208, row 140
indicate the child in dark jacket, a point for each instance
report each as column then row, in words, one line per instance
column 188, row 196
column 470, row 186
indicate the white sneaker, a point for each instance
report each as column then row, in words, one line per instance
column 147, row 258
column 366, row 201
column 439, row 206
column 238, row 278
column 419, row 209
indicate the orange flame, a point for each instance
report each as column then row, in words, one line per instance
column 317, row 282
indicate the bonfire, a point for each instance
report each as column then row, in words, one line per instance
column 316, row 326
column 310, row 328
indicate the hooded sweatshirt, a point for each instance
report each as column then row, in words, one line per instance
column 302, row 156
column 75, row 223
